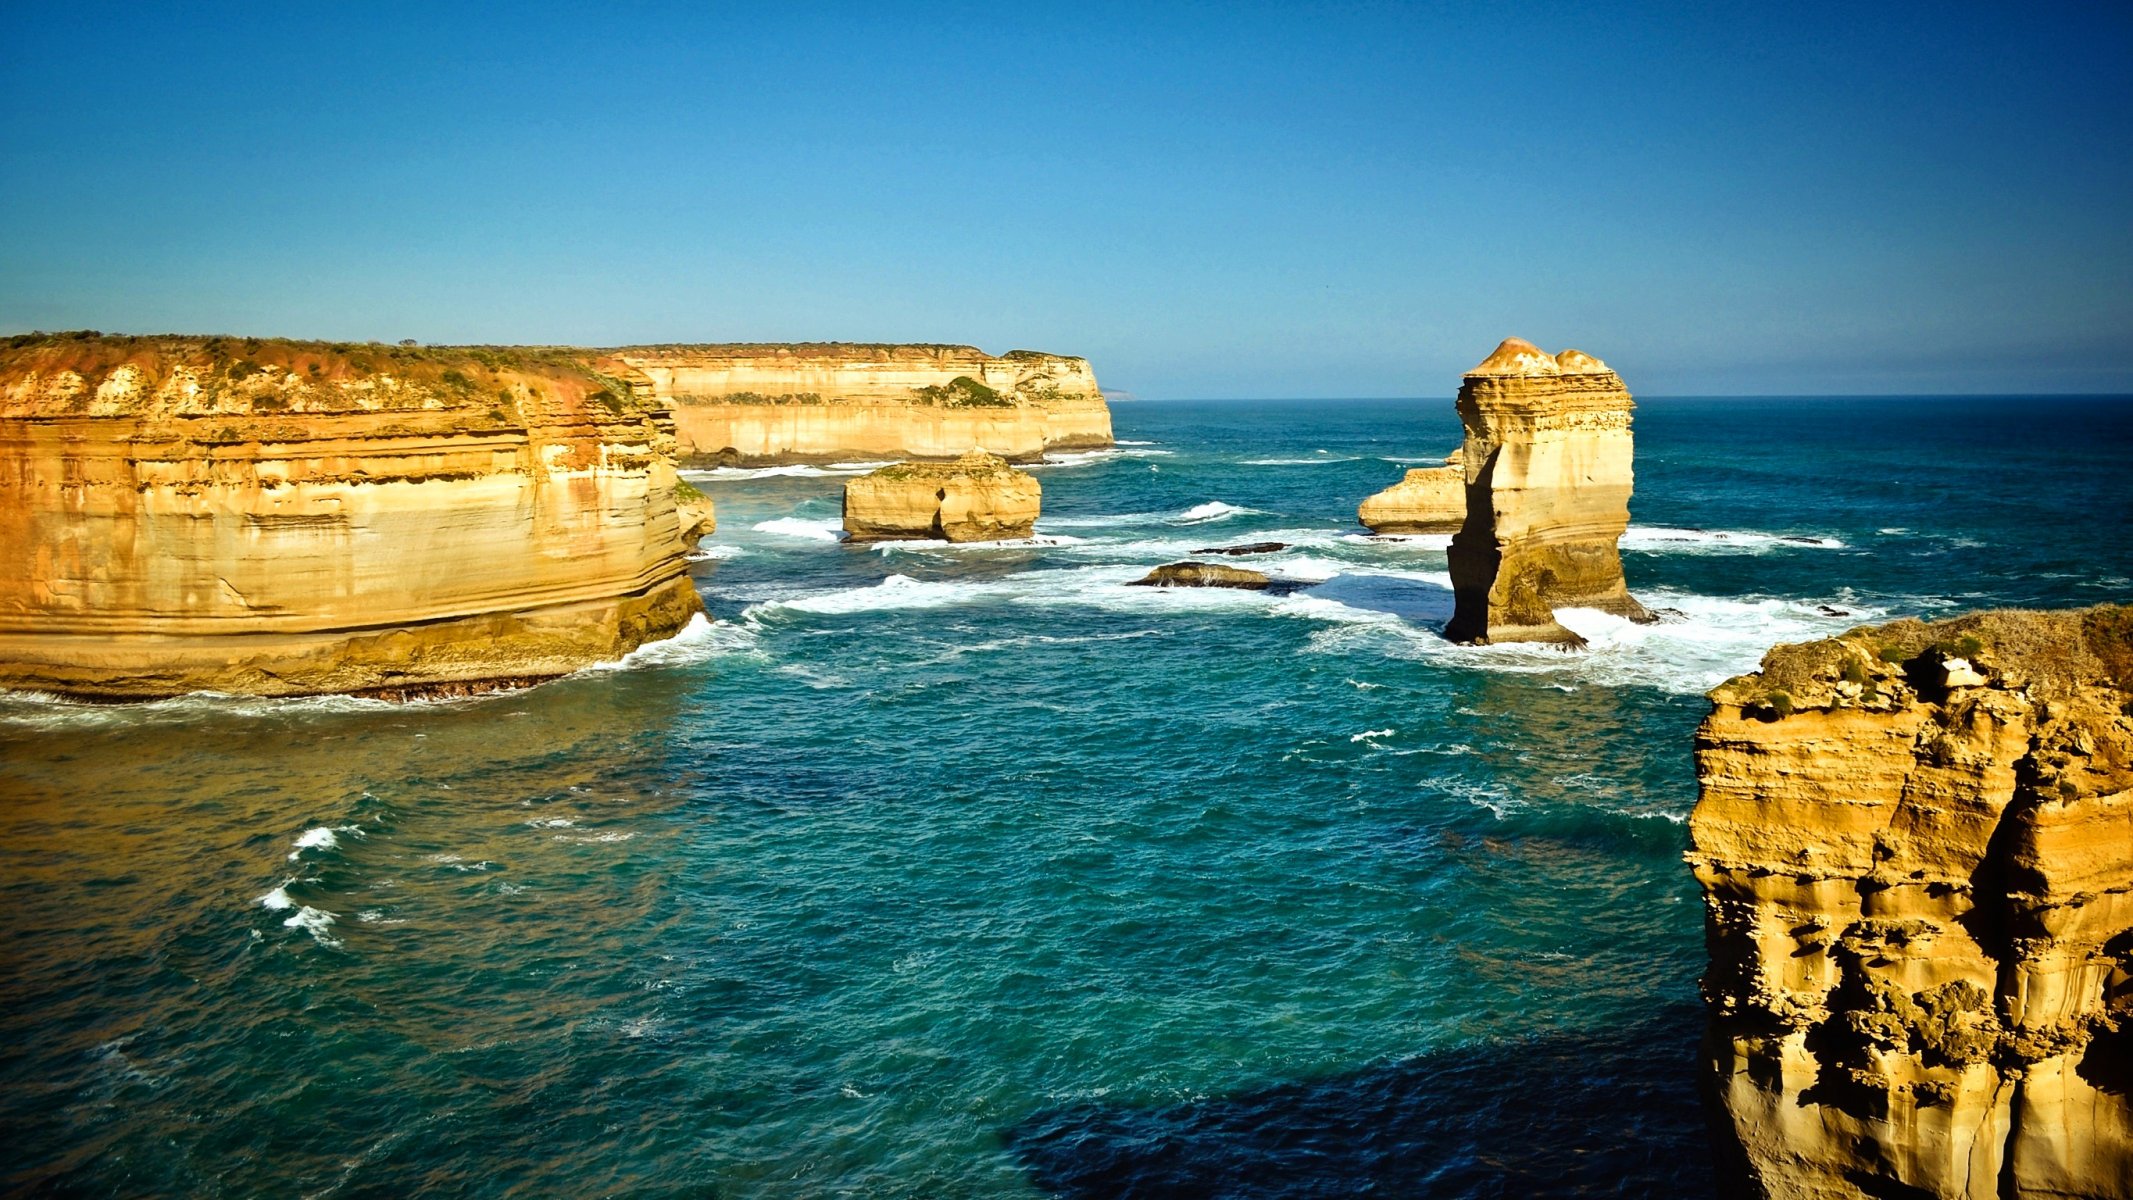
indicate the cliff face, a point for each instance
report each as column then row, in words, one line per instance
column 1426, row 500
column 1916, row 849
column 1547, row 458
column 976, row 498
column 281, row 518
column 771, row 404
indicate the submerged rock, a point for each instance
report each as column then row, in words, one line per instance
column 1426, row 500
column 1251, row 548
column 278, row 518
column 976, row 498
column 1199, row 574
column 1547, row 457
column 1916, row 849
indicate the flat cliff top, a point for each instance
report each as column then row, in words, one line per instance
column 831, row 352
column 2051, row 654
column 94, row 374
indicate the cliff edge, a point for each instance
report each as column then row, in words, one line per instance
column 1916, row 849
column 763, row 404
column 285, row 518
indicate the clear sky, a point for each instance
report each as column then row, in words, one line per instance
column 1205, row 199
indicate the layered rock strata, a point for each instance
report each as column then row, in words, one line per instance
column 1426, row 500
column 1547, row 465
column 752, row 405
column 976, row 498
column 282, row 518
column 1916, row 849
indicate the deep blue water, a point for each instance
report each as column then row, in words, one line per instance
column 971, row 871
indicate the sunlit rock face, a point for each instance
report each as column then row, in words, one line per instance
column 976, row 498
column 1426, row 500
column 762, row 404
column 1547, row 468
column 283, row 518
column 1916, row 849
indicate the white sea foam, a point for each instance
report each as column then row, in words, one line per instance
column 1370, row 734
column 895, row 592
column 277, row 900
column 317, row 838
column 708, row 552
column 1664, row 539
column 1084, row 458
column 784, row 471
column 701, row 640
column 1298, row 462
column 1037, row 541
column 1131, row 442
column 814, row 529
column 315, row 921
column 1213, row 510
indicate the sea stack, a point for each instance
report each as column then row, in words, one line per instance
column 286, row 518
column 1916, row 849
column 1547, row 462
column 1426, row 500
column 976, row 498
column 752, row 405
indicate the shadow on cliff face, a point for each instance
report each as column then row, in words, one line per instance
column 1611, row 1113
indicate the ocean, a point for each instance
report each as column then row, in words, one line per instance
column 969, row 871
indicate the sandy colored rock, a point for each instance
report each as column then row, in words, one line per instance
column 695, row 516
column 1547, row 467
column 976, row 498
column 1426, row 500
column 285, row 518
column 1919, row 907
column 1199, row 574
column 751, row 405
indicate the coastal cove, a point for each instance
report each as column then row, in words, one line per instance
column 921, row 869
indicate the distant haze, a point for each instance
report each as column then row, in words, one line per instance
column 1205, row 200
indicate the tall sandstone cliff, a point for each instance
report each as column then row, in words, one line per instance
column 1916, row 848
column 281, row 518
column 1547, row 458
column 751, row 405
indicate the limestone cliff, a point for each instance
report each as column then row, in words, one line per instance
column 1547, row 461
column 1426, row 500
column 1916, row 849
column 824, row 402
column 286, row 518
column 976, row 498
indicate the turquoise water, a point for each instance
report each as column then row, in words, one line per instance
column 970, row 871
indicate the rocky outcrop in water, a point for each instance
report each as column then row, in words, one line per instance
column 1203, row 575
column 1916, row 849
column 1427, row 500
column 976, row 498
column 695, row 515
column 285, row 518
column 750, row 404
column 1547, row 461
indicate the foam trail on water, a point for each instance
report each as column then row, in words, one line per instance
column 701, row 640
column 1663, row 539
column 815, row 529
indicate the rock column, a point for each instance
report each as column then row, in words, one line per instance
column 1547, row 459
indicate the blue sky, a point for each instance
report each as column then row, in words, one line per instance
column 1207, row 200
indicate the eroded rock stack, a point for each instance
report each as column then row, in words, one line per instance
column 1426, row 500
column 1916, row 849
column 760, row 404
column 1547, row 462
column 287, row 518
column 976, row 498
